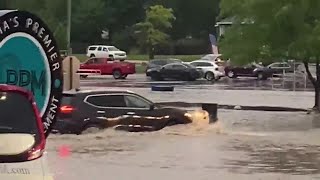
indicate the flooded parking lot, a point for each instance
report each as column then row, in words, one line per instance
column 242, row 145
column 246, row 145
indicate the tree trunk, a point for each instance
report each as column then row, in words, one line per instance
column 315, row 83
column 316, row 99
column 151, row 52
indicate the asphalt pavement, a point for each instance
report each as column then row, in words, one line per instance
column 242, row 91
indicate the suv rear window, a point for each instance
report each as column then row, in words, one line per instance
column 17, row 114
column 67, row 99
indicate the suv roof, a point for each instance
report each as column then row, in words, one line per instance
column 100, row 45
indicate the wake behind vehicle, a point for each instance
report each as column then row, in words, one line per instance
column 22, row 136
column 250, row 70
column 210, row 69
column 93, row 110
column 176, row 71
column 106, row 66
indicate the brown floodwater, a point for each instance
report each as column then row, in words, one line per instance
column 242, row 145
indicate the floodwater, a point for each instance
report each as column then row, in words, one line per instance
column 140, row 80
column 243, row 144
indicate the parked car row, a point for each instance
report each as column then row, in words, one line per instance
column 104, row 60
column 262, row 72
column 160, row 69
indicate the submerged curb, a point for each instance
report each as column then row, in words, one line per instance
column 235, row 107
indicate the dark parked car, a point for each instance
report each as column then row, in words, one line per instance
column 284, row 67
column 92, row 110
column 157, row 63
column 177, row 71
column 250, row 70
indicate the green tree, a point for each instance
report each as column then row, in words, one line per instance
column 88, row 20
column 151, row 32
column 53, row 13
column 265, row 29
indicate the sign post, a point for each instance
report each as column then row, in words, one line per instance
column 30, row 58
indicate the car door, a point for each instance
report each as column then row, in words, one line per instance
column 179, row 71
column 99, row 52
column 102, row 64
column 197, row 65
column 109, row 108
column 167, row 71
column 105, row 52
column 247, row 70
column 89, row 64
column 124, row 110
column 143, row 112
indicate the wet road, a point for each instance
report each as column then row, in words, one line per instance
column 242, row 145
column 245, row 145
column 141, row 81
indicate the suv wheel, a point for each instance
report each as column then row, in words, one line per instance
column 209, row 76
column 91, row 129
column 92, row 56
column 117, row 74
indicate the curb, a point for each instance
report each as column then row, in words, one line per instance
column 235, row 107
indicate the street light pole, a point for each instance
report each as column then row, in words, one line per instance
column 69, row 28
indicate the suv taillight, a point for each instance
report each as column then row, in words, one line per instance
column 67, row 109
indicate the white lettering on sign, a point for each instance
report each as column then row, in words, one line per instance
column 5, row 26
column 35, row 27
column 9, row 24
column 40, row 33
column 16, row 22
column 56, row 66
column 29, row 22
column 46, row 39
column 53, row 109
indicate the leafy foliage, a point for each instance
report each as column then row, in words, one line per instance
column 150, row 32
column 273, row 29
column 89, row 18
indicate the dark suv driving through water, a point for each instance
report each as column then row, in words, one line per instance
column 92, row 110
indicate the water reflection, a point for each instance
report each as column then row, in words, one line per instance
column 271, row 158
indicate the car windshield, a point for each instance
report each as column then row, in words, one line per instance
column 17, row 114
column 113, row 48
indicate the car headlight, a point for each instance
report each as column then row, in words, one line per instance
column 188, row 115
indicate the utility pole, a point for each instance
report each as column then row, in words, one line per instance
column 69, row 29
